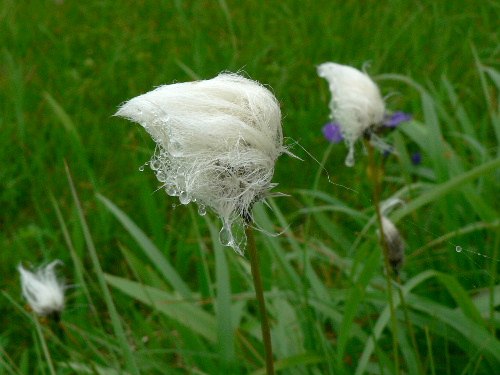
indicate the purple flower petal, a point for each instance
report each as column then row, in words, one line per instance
column 393, row 120
column 332, row 132
column 416, row 158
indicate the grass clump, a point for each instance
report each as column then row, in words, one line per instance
column 153, row 289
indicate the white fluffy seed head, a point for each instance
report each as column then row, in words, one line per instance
column 217, row 143
column 356, row 103
column 42, row 290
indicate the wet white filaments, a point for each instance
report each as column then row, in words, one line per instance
column 217, row 142
column 43, row 291
column 356, row 103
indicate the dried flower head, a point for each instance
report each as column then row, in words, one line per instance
column 395, row 244
column 217, row 142
column 42, row 289
column 356, row 103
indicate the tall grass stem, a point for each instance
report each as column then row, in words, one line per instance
column 45, row 348
column 493, row 276
column 388, row 271
column 108, row 299
column 259, row 293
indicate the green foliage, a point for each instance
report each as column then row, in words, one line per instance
column 152, row 290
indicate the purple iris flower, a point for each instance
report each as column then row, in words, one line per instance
column 332, row 132
column 394, row 119
column 416, row 158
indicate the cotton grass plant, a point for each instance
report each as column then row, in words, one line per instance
column 451, row 298
column 356, row 103
column 358, row 109
column 43, row 290
column 217, row 141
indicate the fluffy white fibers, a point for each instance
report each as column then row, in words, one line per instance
column 42, row 290
column 217, row 142
column 356, row 103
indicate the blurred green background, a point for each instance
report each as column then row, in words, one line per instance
column 65, row 66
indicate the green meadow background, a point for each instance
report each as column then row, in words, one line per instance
column 151, row 290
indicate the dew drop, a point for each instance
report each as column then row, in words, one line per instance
column 155, row 165
column 141, row 168
column 458, row 249
column 171, row 190
column 184, row 197
column 349, row 160
column 202, row 210
column 160, row 175
column 225, row 236
column 180, row 180
column 175, row 148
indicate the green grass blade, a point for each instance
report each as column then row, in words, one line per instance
column 356, row 295
column 445, row 188
column 63, row 116
column 45, row 348
column 77, row 263
column 182, row 311
column 278, row 251
column 473, row 332
column 384, row 318
column 115, row 318
column 151, row 251
column 461, row 297
column 225, row 327
column 293, row 361
column 409, row 353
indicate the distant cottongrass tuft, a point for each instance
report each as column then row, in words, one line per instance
column 217, row 143
column 356, row 103
column 395, row 244
column 42, row 289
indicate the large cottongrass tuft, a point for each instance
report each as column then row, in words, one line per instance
column 356, row 103
column 43, row 291
column 217, row 143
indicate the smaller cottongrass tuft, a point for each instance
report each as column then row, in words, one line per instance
column 356, row 103
column 395, row 244
column 43, row 291
column 217, row 141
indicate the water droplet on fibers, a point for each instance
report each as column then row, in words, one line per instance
column 175, row 148
column 155, row 165
column 458, row 249
column 160, row 175
column 225, row 236
column 171, row 190
column 184, row 197
column 202, row 210
column 180, row 181
column 349, row 160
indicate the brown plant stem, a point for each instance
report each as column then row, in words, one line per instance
column 388, row 270
column 259, row 293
